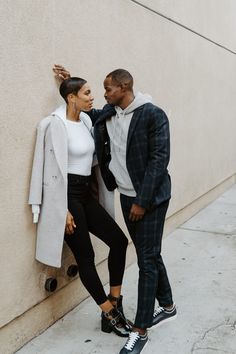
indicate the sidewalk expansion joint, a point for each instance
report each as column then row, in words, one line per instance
column 207, row 231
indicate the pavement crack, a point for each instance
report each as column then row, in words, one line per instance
column 195, row 346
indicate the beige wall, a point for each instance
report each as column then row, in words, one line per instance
column 213, row 19
column 193, row 79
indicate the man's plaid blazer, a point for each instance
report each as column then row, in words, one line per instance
column 147, row 154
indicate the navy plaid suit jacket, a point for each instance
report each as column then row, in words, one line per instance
column 147, row 155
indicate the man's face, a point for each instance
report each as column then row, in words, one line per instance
column 113, row 94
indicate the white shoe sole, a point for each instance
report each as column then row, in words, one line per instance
column 164, row 321
column 144, row 350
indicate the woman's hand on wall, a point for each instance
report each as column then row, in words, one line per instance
column 61, row 72
column 70, row 224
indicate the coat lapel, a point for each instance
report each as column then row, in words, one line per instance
column 59, row 142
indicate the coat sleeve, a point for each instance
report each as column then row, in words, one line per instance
column 106, row 112
column 158, row 159
column 36, row 183
column 94, row 114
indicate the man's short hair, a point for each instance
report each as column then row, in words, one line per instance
column 122, row 77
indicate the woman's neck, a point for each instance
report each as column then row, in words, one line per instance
column 72, row 113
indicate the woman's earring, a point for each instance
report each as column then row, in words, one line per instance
column 74, row 107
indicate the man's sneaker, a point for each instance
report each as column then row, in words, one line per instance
column 161, row 315
column 134, row 344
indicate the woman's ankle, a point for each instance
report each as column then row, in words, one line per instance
column 115, row 291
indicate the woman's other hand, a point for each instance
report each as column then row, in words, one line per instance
column 70, row 224
column 61, row 72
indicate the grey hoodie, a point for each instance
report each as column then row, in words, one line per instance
column 118, row 128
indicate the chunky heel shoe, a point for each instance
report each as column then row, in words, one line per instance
column 117, row 303
column 105, row 325
column 114, row 321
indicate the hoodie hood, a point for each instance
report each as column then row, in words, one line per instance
column 139, row 100
column 118, row 129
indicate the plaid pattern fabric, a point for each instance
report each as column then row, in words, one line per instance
column 147, row 156
column 153, row 281
column 102, row 143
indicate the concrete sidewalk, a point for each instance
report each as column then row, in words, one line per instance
column 201, row 261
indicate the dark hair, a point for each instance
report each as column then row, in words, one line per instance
column 71, row 85
column 122, row 76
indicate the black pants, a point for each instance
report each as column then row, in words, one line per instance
column 153, row 281
column 90, row 216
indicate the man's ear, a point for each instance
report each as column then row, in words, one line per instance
column 124, row 86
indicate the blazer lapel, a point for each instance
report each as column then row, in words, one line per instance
column 59, row 141
column 132, row 126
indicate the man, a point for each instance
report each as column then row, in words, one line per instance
column 133, row 147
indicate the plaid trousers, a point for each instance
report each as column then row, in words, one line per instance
column 153, row 282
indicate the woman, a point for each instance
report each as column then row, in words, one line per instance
column 60, row 194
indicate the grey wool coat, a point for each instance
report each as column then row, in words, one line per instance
column 48, row 186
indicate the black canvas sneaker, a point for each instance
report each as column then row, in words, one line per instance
column 161, row 315
column 134, row 344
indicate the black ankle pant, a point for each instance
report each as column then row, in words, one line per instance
column 90, row 216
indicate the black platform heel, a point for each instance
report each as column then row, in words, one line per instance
column 114, row 321
column 118, row 305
